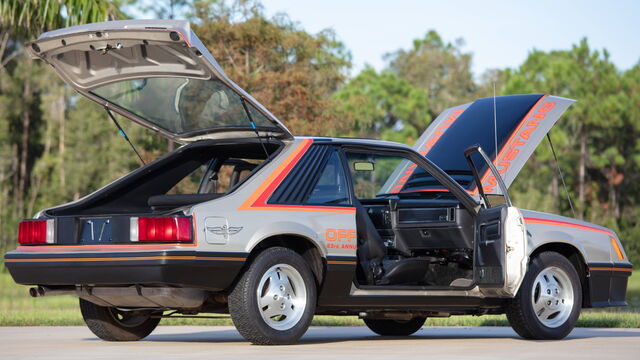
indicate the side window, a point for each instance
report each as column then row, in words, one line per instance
column 189, row 184
column 230, row 173
column 376, row 175
column 331, row 187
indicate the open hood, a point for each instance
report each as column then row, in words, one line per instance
column 158, row 74
column 521, row 122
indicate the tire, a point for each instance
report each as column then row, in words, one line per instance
column 112, row 325
column 274, row 301
column 553, row 274
column 388, row 327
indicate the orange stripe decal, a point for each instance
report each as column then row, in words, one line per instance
column 426, row 147
column 519, row 137
column 341, row 262
column 615, row 246
column 567, row 224
column 128, row 258
column 258, row 199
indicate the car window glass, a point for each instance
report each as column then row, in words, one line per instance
column 182, row 105
column 377, row 175
column 189, row 184
column 331, row 187
column 229, row 174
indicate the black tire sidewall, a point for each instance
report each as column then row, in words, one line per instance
column 247, row 303
column 101, row 321
column 536, row 328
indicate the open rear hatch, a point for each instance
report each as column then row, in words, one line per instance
column 158, row 74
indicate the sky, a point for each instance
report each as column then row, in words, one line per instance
column 499, row 34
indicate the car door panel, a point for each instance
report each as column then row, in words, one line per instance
column 500, row 256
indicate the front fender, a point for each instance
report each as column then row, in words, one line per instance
column 554, row 236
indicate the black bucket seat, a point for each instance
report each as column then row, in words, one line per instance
column 371, row 254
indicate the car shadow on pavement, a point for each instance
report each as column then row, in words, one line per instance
column 335, row 335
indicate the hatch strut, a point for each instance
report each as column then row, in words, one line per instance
column 124, row 135
column 553, row 151
column 253, row 125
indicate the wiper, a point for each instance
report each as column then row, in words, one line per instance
column 124, row 135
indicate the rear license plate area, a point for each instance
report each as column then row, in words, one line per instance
column 95, row 231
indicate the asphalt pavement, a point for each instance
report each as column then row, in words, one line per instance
column 327, row 343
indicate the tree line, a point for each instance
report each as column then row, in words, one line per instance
column 55, row 146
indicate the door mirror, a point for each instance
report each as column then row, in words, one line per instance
column 363, row 166
column 477, row 149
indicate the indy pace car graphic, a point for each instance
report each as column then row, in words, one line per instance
column 282, row 227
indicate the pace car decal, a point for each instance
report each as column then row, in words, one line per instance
column 402, row 174
column 258, row 199
column 224, row 230
column 518, row 139
column 341, row 238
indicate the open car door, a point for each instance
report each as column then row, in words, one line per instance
column 500, row 253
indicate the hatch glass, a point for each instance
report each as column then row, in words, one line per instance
column 182, row 105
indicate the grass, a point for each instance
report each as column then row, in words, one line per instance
column 17, row 308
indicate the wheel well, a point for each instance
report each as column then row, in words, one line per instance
column 299, row 244
column 576, row 259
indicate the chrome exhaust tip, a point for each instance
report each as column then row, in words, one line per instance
column 33, row 292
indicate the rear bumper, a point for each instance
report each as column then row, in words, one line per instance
column 607, row 284
column 205, row 270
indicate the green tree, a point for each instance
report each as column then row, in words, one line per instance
column 441, row 68
column 289, row 70
column 383, row 105
column 399, row 102
column 24, row 86
column 596, row 140
column 594, row 121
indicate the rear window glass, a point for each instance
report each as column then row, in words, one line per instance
column 182, row 105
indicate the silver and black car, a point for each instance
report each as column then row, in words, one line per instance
column 281, row 228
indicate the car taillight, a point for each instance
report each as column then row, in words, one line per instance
column 32, row 232
column 163, row 229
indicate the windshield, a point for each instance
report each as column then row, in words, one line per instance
column 183, row 105
column 376, row 176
